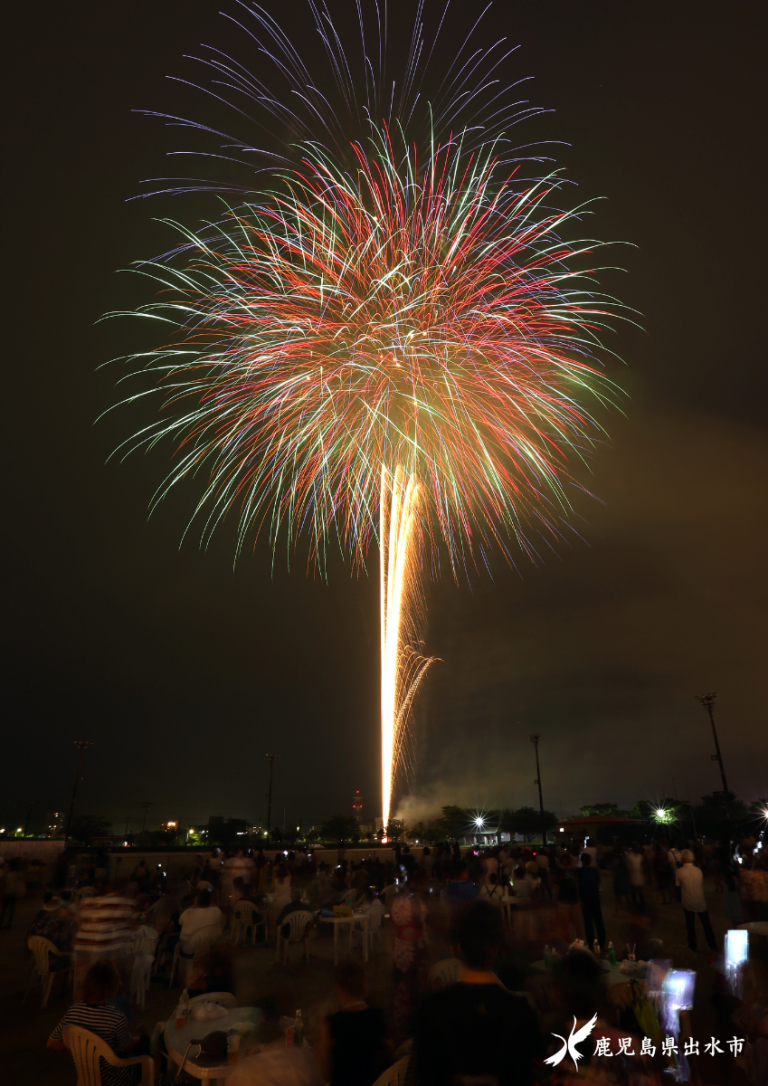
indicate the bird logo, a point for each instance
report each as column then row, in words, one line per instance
column 569, row 1046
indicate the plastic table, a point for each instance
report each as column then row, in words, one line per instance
column 176, row 1041
column 337, row 921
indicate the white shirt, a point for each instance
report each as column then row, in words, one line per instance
column 691, row 881
column 525, row 887
column 492, row 893
column 194, row 919
column 635, row 865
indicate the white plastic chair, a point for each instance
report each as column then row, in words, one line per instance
column 298, row 922
column 87, row 1052
column 143, row 951
column 198, row 945
column 394, row 1075
column 223, row 999
column 375, row 918
column 444, row 973
column 350, row 898
column 248, row 918
column 42, row 948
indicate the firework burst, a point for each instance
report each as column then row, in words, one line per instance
column 384, row 308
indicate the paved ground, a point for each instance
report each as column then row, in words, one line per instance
column 25, row 1060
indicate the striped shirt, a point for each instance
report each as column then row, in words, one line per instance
column 105, row 924
column 109, row 1024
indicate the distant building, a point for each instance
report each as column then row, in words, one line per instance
column 54, row 823
column 357, row 806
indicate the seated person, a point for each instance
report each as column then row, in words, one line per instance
column 171, row 933
column 578, row 996
column 353, row 1044
column 374, row 907
column 201, row 915
column 476, row 1030
column 214, row 973
column 238, row 891
column 640, row 937
column 55, row 923
column 372, row 904
column 94, row 1013
column 295, row 905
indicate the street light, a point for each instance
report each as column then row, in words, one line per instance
column 535, row 740
column 708, row 700
column 82, row 745
column 479, row 822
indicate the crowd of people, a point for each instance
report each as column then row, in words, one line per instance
column 524, row 925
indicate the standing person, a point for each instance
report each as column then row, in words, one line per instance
column 408, row 914
column 589, row 895
column 729, row 874
column 663, row 873
column 591, row 850
column 491, row 891
column 568, row 898
column 542, row 863
column 460, row 892
column 622, row 887
column 353, row 1043
column 106, row 926
column 476, row 1030
column 230, row 869
column 14, row 888
column 490, row 866
column 525, row 885
column 690, row 879
column 673, row 855
column 281, row 880
column 636, row 877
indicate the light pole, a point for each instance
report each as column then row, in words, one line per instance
column 707, row 700
column 535, row 740
column 82, row 745
column 272, row 758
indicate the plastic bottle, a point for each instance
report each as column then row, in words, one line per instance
column 233, row 1045
column 182, row 1010
column 596, row 948
column 298, row 1030
column 611, row 954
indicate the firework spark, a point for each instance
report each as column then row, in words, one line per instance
column 402, row 667
column 392, row 329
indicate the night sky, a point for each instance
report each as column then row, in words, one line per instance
column 185, row 672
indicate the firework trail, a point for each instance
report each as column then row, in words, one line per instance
column 384, row 334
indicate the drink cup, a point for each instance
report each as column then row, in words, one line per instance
column 181, row 1016
column 233, row 1047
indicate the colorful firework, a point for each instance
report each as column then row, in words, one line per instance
column 402, row 666
column 390, row 335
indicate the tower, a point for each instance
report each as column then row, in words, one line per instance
column 357, row 806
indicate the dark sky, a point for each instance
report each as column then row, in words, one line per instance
column 184, row 672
